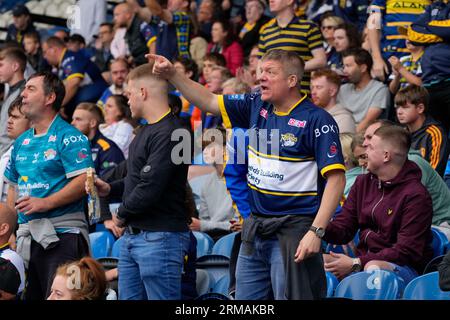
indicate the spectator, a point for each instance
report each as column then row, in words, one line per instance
column 139, row 35
column 154, row 193
column 62, row 34
column 353, row 11
column 9, row 280
column 173, row 27
column 351, row 145
column 22, row 24
column 82, row 79
column 211, row 60
column 234, row 86
column 345, row 37
column 249, row 34
column 279, row 99
column 93, row 13
column 205, row 18
column 53, row 158
column 91, row 281
column 406, row 70
column 224, row 42
column 289, row 32
column 382, row 30
column 117, row 126
column 395, row 234
column 119, row 72
column 431, row 30
column 365, row 97
column 216, row 207
column 76, row 43
column 33, row 50
column 119, row 46
column 440, row 195
column 16, row 125
column 325, row 86
column 248, row 74
column 428, row 136
column 444, row 273
column 105, row 153
column 8, row 222
column 103, row 55
column 216, row 79
column 328, row 24
column 12, row 68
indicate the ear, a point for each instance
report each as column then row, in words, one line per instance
column 189, row 74
column 93, row 123
column 333, row 91
column 386, row 156
column 4, row 229
column 292, row 81
column 420, row 108
column 363, row 68
column 50, row 99
column 15, row 66
column 144, row 93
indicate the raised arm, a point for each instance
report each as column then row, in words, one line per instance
column 194, row 92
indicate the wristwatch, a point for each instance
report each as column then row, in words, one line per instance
column 319, row 232
column 356, row 266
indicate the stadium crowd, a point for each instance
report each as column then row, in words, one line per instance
column 291, row 126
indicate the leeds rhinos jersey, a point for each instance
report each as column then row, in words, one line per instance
column 41, row 165
column 288, row 153
column 74, row 64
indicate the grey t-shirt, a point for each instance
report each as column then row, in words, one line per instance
column 374, row 95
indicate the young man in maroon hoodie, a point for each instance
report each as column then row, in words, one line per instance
column 390, row 207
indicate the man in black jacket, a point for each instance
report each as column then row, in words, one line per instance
column 153, row 203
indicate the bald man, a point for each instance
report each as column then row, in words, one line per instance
column 153, row 197
column 8, row 222
column 140, row 36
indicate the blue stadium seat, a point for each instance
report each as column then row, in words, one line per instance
column 440, row 242
column 203, row 282
column 425, row 287
column 101, row 243
column 115, row 252
column 337, row 248
column 332, row 283
column 224, row 245
column 204, row 243
column 369, row 285
column 222, row 285
column 217, row 266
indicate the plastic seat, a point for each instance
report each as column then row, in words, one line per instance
column 204, row 243
column 224, row 245
column 216, row 265
column 337, row 248
column 369, row 285
column 332, row 283
column 101, row 243
column 203, row 282
column 440, row 242
column 115, row 252
column 425, row 287
column 222, row 285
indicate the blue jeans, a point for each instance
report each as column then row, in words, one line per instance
column 151, row 265
column 260, row 276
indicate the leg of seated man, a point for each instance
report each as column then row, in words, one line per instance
column 405, row 272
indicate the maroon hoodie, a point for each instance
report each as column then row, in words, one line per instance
column 394, row 219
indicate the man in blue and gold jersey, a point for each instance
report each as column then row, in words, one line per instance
column 295, row 177
column 288, row 32
column 385, row 40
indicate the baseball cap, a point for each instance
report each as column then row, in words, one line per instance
column 9, row 277
column 19, row 10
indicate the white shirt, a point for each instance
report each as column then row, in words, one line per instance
column 17, row 261
column 121, row 133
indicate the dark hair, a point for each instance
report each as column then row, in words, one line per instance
column 215, row 57
column 15, row 54
column 352, row 33
column 77, row 38
column 361, row 57
column 414, row 95
column 122, row 103
column 189, row 65
column 52, row 84
column 175, row 104
column 226, row 26
column 107, row 24
column 16, row 104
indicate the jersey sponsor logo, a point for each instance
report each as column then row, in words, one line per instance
column 325, row 129
column 236, row 97
column 82, row 155
column 73, row 139
column 26, row 142
column 20, row 158
column 297, row 123
column 390, row 212
column 50, row 154
column 52, row 138
column 36, row 157
column 263, row 113
column 333, row 150
column 288, row 140
column 24, row 179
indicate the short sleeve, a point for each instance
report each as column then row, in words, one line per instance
column 325, row 140
column 149, row 32
column 315, row 40
column 73, row 69
column 11, row 174
column 75, row 152
column 235, row 110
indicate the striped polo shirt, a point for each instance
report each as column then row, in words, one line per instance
column 301, row 36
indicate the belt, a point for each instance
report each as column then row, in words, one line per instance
column 133, row 230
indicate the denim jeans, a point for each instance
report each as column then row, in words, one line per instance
column 260, row 276
column 151, row 265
